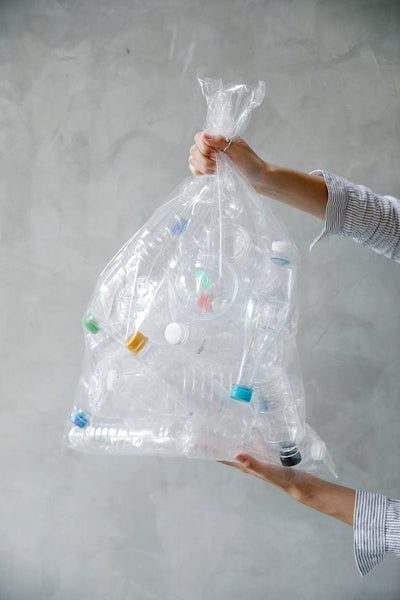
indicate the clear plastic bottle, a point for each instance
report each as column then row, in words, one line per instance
column 117, row 437
column 276, row 419
column 134, row 283
column 267, row 313
column 204, row 341
column 134, row 342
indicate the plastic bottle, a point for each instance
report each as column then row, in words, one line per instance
column 134, row 342
column 173, row 387
column 134, row 283
column 267, row 313
column 116, row 437
column 160, row 310
column 203, row 340
column 150, row 430
column 276, row 419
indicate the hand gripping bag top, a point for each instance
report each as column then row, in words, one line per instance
column 190, row 343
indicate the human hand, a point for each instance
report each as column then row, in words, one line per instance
column 332, row 499
column 287, row 479
column 301, row 190
column 202, row 159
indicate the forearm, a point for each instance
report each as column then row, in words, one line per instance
column 329, row 498
column 332, row 499
column 301, row 190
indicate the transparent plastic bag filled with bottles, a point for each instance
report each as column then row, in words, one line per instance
column 190, row 334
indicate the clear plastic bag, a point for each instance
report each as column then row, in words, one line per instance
column 190, row 331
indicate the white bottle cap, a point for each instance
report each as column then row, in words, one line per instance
column 318, row 450
column 176, row 333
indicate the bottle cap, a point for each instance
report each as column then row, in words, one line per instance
column 135, row 342
column 240, row 392
column 318, row 450
column 91, row 324
column 290, row 456
column 178, row 227
column 79, row 418
column 176, row 333
column 202, row 278
column 204, row 302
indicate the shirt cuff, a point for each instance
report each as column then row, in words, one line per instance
column 369, row 530
column 393, row 526
column 336, row 206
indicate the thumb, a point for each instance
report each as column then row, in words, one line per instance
column 216, row 141
column 265, row 470
column 248, row 461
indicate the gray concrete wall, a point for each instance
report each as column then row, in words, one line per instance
column 98, row 106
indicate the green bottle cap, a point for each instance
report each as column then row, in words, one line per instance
column 202, row 278
column 91, row 324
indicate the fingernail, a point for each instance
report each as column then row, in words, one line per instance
column 240, row 458
column 208, row 136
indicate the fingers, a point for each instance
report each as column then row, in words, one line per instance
column 283, row 477
column 239, row 466
column 202, row 162
column 207, row 142
column 203, row 152
column 254, row 467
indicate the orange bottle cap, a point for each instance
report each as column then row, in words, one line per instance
column 135, row 342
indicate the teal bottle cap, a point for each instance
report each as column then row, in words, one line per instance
column 202, row 278
column 240, row 392
column 91, row 324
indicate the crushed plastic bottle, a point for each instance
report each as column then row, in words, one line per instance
column 277, row 421
column 267, row 313
column 118, row 438
column 199, row 341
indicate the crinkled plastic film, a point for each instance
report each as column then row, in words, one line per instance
column 190, row 334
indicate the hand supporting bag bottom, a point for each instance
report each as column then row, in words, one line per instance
column 183, row 331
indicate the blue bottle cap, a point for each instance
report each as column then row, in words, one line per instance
column 179, row 226
column 240, row 392
column 79, row 418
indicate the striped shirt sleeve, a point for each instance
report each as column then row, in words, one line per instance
column 354, row 211
column 376, row 529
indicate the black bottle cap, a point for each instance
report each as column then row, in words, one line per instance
column 290, row 458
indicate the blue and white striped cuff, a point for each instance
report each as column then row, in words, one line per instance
column 336, row 206
column 369, row 530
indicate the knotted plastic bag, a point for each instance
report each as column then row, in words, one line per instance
column 190, row 343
